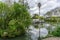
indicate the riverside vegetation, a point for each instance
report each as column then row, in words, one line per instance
column 14, row 19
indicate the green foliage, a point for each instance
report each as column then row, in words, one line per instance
column 56, row 32
column 52, row 19
column 36, row 16
column 41, row 18
column 13, row 19
column 3, row 12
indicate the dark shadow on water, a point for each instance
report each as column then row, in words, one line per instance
column 24, row 37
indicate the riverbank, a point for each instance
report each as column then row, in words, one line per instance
column 52, row 38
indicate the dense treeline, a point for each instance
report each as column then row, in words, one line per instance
column 46, row 19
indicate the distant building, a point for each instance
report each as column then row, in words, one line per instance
column 55, row 12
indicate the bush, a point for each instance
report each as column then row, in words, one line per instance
column 56, row 32
column 13, row 19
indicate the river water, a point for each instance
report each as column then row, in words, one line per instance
column 24, row 37
column 31, row 35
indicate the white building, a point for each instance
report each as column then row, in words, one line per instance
column 55, row 12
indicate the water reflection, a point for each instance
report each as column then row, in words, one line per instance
column 24, row 37
column 33, row 33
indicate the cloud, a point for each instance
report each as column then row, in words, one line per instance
column 47, row 5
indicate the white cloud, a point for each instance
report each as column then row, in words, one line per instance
column 47, row 5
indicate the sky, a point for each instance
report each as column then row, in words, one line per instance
column 46, row 5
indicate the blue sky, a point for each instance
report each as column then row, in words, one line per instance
column 46, row 5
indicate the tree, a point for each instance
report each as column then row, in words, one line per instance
column 16, row 18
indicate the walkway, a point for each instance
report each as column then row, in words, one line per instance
column 52, row 38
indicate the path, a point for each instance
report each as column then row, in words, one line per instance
column 52, row 38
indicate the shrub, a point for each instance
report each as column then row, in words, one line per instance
column 56, row 32
column 13, row 19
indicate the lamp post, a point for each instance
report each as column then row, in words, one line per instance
column 39, row 5
column 38, row 22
